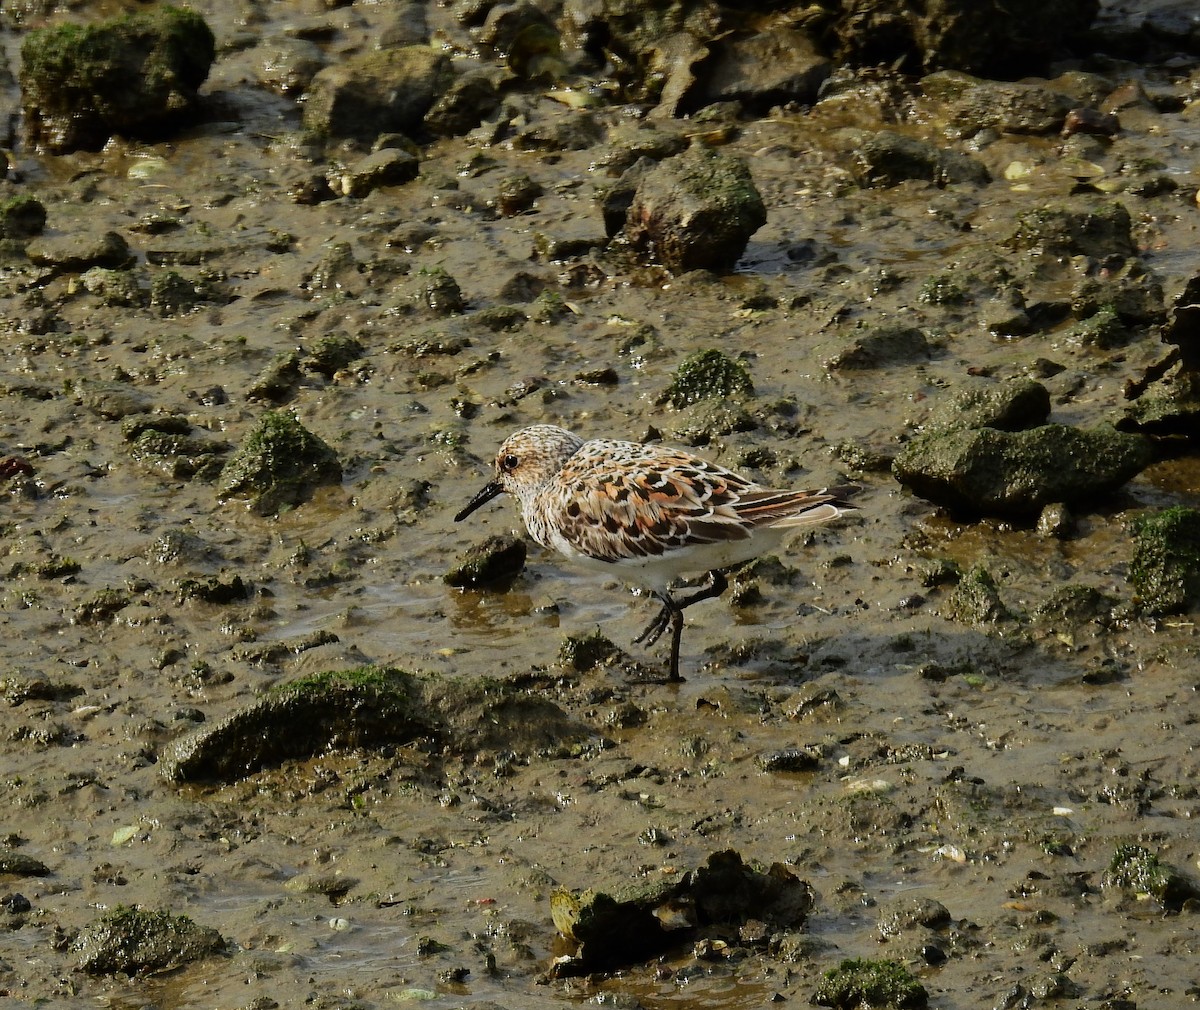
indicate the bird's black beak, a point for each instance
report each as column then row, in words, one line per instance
column 486, row 495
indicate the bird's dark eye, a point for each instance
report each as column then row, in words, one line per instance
column 509, row 463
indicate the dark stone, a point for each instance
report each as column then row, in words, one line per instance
column 492, row 563
column 889, row 158
column 131, row 941
column 1165, row 571
column 760, row 71
column 278, row 464
column 695, row 211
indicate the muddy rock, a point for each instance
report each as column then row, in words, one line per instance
column 976, row 599
column 135, row 75
column 991, row 38
column 288, row 65
column 75, row 252
column 278, row 464
column 1006, row 108
column 341, row 709
column 388, row 166
column 493, row 563
column 1166, row 398
column 1165, row 571
column 377, row 92
column 635, row 923
column 695, row 211
column 17, row 864
column 132, row 941
column 1136, row 869
column 985, row 471
column 888, row 159
column 21, row 217
column 470, row 98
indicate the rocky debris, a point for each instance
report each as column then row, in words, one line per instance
column 695, row 211
column 985, row 471
column 889, row 158
column 75, row 252
column 1165, row 570
column 976, row 599
column 494, row 563
column 378, row 92
column 135, row 76
column 21, row 217
column 977, row 105
column 858, row 983
column 131, row 941
column 278, row 464
column 163, row 443
column 17, row 864
column 992, row 37
column 636, row 923
column 470, row 97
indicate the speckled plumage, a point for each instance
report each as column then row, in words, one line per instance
column 647, row 512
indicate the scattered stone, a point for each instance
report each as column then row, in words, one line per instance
column 1055, row 520
column 883, row 985
column 440, row 292
column 135, row 75
column 279, row 380
column 1006, row 107
column 288, row 65
column 888, row 159
column 900, row 915
column 985, row 471
column 1165, row 571
column 213, row 590
column 278, row 464
column 760, row 71
column 17, row 864
column 21, row 217
column 793, row 759
column 492, row 564
column 470, row 98
column 695, row 211
column 329, row 355
column 1072, row 606
column 117, row 288
column 586, row 652
column 517, row 194
column 707, row 374
column 387, row 91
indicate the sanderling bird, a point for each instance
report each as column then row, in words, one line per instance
column 646, row 513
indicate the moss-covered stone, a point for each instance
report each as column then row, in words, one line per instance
column 985, row 471
column 860, row 983
column 1165, row 572
column 278, row 464
column 586, row 652
column 976, row 600
column 880, row 347
column 1009, row 406
column 133, row 75
column 132, row 941
column 1075, row 230
column 707, row 374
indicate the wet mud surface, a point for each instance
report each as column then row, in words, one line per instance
column 989, row 762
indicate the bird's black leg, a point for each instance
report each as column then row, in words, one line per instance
column 671, row 616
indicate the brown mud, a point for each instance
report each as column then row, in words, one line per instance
column 992, row 767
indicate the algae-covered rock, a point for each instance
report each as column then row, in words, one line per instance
column 1076, row 229
column 976, row 600
column 134, row 75
column 494, row 562
column 889, row 158
column 985, row 471
column 279, row 463
column 1165, row 571
column 21, row 217
column 877, row 348
column 1135, row 868
column 880, row 985
column 707, row 374
column 132, row 941
column 695, row 211
column 366, row 707
column 382, row 91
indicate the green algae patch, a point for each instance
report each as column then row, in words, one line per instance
column 134, row 75
column 707, row 374
column 1165, row 572
column 132, row 941
column 278, row 464
column 335, row 710
column 862, row 983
